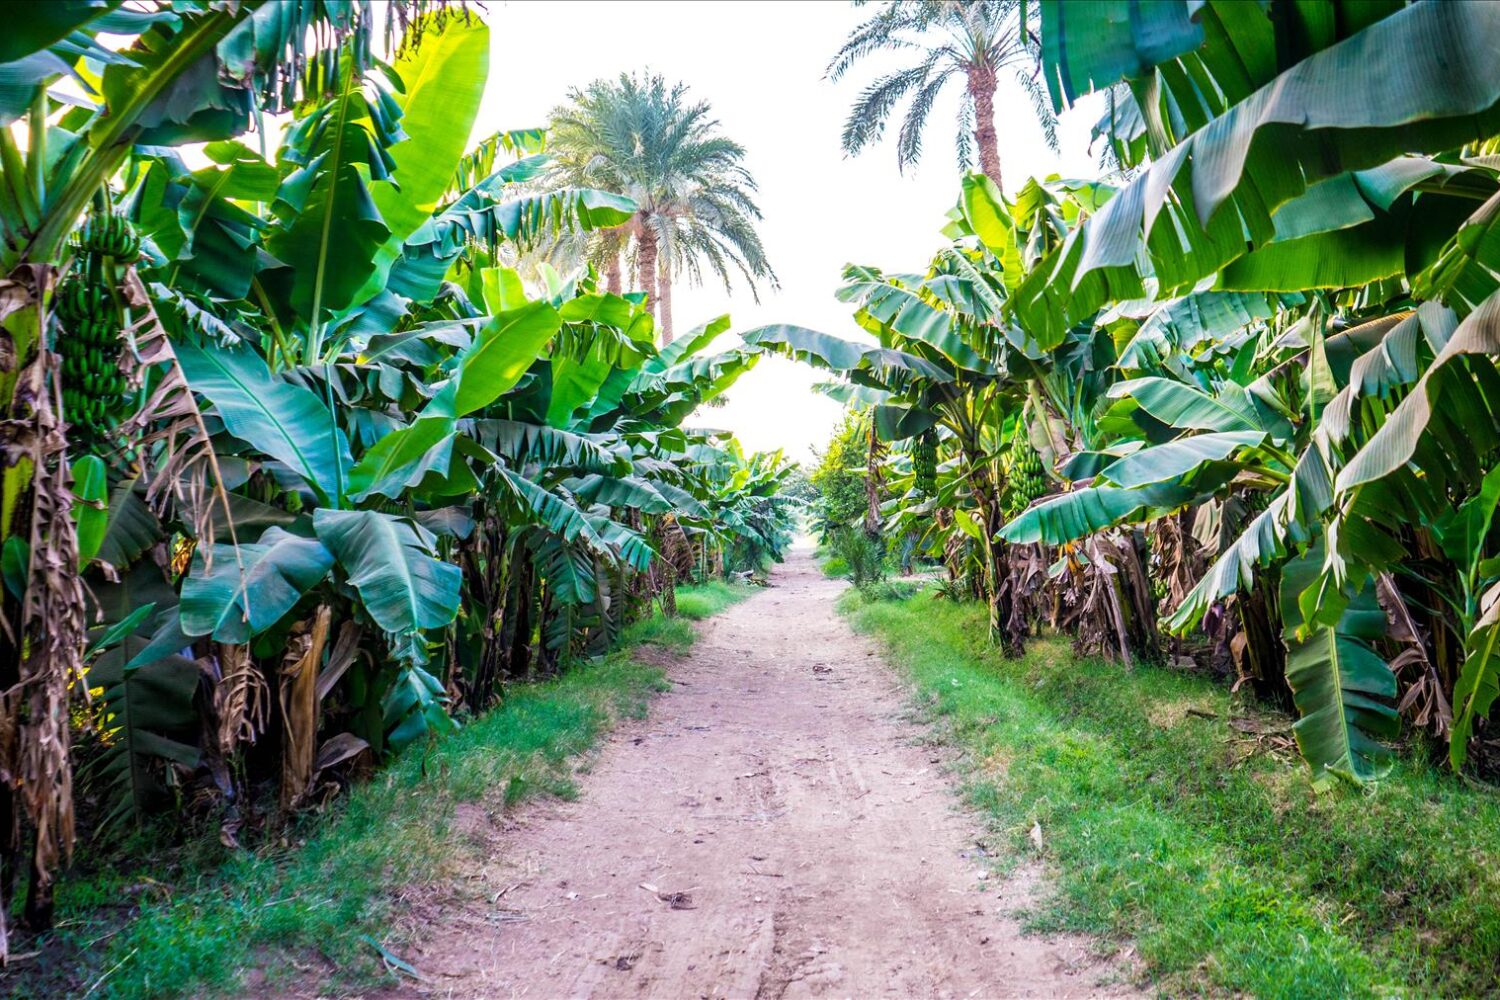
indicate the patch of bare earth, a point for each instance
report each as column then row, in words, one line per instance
column 775, row 829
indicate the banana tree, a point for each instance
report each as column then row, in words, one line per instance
column 186, row 74
column 1380, row 233
column 926, row 374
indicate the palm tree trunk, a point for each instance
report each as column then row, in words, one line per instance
column 645, row 262
column 664, row 284
column 612, row 278
column 982, row 90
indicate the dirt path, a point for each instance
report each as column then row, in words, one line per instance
column 802, row 840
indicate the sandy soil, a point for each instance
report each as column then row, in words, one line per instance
column 776, row 828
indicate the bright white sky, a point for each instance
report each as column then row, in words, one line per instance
column 760, row 64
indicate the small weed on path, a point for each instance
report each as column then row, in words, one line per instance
column 1168, row 817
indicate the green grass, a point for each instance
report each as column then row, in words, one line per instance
column 704, row 600
column 1201, row 843
column 834, row 567
column 695, row 602
column 204, row 923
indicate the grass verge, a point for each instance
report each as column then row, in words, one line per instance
column 1174, row 815
column 705, row 600
column 192, row 923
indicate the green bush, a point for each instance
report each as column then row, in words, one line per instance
column 889, row 590
column 840, row 477
column 864, row 555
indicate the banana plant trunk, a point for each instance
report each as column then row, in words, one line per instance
column 486, row 559
column 1262, row 659
column 518, row 623
column 997, row 594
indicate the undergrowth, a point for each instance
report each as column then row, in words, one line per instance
column 1174, row 815
column 195, row 921
column 704, row 600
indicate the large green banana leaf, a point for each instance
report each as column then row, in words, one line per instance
column 250, row 587
column 1478, row 684
column 1262, row 541
column 1178, row 327
column 1389, row 363
column 415, row 706
column 897, row 309
column 131, row 530
column 631, row 492
column 570, row 572
column 90, row 510
column 1090, row 45
column 1387, row 90
column 285, row 421
column 1463, row 406
column 481, row 215
column 1177, row 458
column 1339, row 683
column 1463, row 535
column 1079, row 513
column 402, row 458
column 519, row 443
column 681, row 389
column 47, row 24
column 687, row 344
column 1467, row 271
column 1184, row 406
column 563, row 519
column 443, row 81
column 894, row 422
column 802, row 344
column 389, row 561
column 616, row 337
column 988, row 217
column 684, row 501
column 505, row 347
column 331, row 246
column 524, row 218
column 621, row 382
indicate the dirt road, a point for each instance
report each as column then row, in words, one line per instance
column 799, row 839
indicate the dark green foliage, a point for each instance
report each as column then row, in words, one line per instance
column 862, row 556
column 839, row 477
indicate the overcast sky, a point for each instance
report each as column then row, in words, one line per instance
column 760, row 64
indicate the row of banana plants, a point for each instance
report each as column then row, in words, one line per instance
column 298, row 472
column 1244, row 404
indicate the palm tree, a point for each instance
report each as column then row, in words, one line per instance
column 974, row 39
column 697, row 211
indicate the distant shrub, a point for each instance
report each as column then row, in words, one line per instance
column 889, row 590
column 865, row 556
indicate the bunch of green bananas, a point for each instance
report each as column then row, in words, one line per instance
column 924, row 463
column 109, row 235
column 1024, row 481
column 1158, row 587
column 93, row 386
